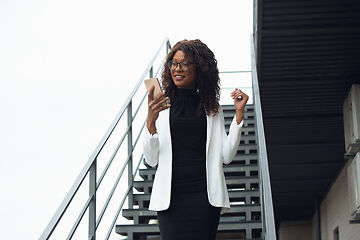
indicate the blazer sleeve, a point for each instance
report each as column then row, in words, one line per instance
column 232, row 140
column 151, row 148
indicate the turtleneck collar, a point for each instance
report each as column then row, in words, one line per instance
column 187, row 93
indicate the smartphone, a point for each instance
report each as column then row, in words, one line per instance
column 154, row 82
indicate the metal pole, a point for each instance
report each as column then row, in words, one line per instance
column 317, row 219
column 168, row 47
column 151, row 72
column 92, row 206
column 130, row 149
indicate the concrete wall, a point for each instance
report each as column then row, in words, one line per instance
column 295, row 230
column 335, row 211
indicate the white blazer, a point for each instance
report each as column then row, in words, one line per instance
column 220, row 149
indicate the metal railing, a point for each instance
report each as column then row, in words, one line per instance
column 269, row 232
column 90, row 168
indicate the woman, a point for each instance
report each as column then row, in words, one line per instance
column 188, row 142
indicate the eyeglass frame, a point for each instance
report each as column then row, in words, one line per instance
column 169, row 64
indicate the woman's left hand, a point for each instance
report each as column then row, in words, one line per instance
column 240, row 100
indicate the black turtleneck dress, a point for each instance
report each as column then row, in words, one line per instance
column 190, row 215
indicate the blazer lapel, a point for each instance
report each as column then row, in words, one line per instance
column 166, row 124
column 209, row 123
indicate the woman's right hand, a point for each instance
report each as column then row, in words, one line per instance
column 155, row 105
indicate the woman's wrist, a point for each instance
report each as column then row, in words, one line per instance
column 239, row 116
column 151, row 127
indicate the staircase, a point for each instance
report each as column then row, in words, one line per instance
column 247, row 177
column 242, row 221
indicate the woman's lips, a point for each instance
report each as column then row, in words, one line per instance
column 178, row 77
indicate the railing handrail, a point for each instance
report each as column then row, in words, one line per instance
column 92, row 159
column 235, row 71
column 265, row 188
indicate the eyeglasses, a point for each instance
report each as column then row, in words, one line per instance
column 184, row 66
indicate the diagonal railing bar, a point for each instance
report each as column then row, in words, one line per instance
column 139, row 107
column 78, row 220
column 268, row 221
column 90, row 165
column 117, row 213
column 112, row 192
column 138, row 137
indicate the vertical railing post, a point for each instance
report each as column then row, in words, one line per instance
column 92, row 206
column 151, row 72
column 168, row 47
column 130, row 154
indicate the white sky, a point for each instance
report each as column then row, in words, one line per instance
column 65, row 69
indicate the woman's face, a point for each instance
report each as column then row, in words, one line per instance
column 182, row 77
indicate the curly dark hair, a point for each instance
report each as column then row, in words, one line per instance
column 207, row 75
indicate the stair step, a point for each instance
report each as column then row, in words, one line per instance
column 246, row 139
column 246, row 170
column 229, row 111
column 143, row 186
column 247, row 149
column 153, row 229
column 249, row 109
column 235, row 196
column 141, row 215
column 245, row 159
column 242, row 155
column 141, row 200
column 240, row 182
column 249, row 122
column 245, row 132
